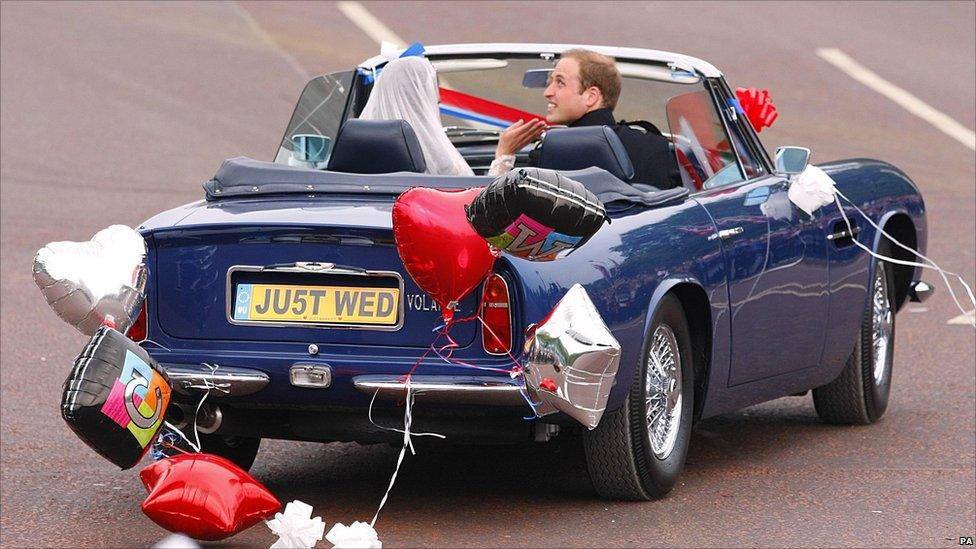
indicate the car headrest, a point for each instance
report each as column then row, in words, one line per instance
column 376, row 146
column 579, row 148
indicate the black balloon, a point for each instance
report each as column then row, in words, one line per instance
column 115, row 398
column 536, row 214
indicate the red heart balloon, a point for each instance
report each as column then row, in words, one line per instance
column 440, row 250
column 204, row 496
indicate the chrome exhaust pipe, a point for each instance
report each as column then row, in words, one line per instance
column 209, row 419
column 178, row 415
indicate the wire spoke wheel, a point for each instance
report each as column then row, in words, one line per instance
column 638, row 450
column 662, row 387
column 859, row 395
column 882, row 323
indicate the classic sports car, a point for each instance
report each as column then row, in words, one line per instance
column 720, row 291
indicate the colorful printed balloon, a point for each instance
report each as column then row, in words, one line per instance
column 115, row 398
column 440, row 251
column 204, row 496
column 536, row 214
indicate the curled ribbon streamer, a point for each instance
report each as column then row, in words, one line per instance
column 515, row 371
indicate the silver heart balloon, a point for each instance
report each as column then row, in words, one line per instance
column 89, row 283
column 571, row 360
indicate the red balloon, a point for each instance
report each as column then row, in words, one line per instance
column 204, row 496
column 440, row 250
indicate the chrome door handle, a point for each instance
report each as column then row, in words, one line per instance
column 729, row 233
column 844, row 233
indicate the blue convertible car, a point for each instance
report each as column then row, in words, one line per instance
column 720, row 291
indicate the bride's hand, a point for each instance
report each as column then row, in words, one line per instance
column 518, row 135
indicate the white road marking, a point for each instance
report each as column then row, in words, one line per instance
column 369, row 24
column 909, row 102
column 966, row 320
column 267, row 39
column 375, row 29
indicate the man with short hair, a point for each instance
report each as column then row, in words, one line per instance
column 583, row 91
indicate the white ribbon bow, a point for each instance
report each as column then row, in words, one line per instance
column 357, row 536
column 296, row 528
column 812, row 189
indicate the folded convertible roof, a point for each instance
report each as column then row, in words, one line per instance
column 245, row 177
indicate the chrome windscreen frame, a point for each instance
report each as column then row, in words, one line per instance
column 312, row 267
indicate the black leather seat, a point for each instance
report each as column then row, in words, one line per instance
column 580, row 148
column 376, row 146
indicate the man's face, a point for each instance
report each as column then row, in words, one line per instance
column 566, row 104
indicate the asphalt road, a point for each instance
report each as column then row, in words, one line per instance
column 113, row 112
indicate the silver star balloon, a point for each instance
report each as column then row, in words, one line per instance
column 571, row 360
column 89, row 283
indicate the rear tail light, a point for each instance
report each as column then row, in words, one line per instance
column 139, row 329
column 496, row 334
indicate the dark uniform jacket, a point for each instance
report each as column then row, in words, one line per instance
column 654, row 163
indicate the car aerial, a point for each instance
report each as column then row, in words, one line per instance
column 720, row 291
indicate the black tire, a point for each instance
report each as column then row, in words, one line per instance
column 856, row 397
column 240, row 450
column 619, row 455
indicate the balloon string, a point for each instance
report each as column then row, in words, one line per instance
column 515, row 371
column 930, row 264
column 165, row 441
column 369, row 415
column 407, row 421
column 442, row 331
column 183, row 436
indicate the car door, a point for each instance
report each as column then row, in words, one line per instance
column 775, row 254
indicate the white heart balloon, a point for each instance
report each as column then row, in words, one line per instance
column 87, row 283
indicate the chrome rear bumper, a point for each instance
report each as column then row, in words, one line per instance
column 228, row 380
column 188, row 379
column 492, row 391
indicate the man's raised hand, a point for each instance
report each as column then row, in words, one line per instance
column 518, row 135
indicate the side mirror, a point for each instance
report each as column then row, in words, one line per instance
column 310, row 148
column 536, row 78
column 792, row 160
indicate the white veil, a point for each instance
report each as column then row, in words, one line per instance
column 407, row 90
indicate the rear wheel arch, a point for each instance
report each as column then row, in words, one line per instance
column 697, row 310
column 900, row 226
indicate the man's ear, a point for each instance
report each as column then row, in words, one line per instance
column 593, row 98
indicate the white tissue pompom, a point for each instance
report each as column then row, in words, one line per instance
column 177, row 541
column 357, row 536
column 295, row 527
column 811, row 189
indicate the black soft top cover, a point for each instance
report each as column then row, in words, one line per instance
column 245, row 177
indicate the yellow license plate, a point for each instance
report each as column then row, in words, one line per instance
column 322, row 304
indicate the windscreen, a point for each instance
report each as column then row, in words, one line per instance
column 705, row 155
column 481, row 96
column 498, row 83
column 315, row 121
